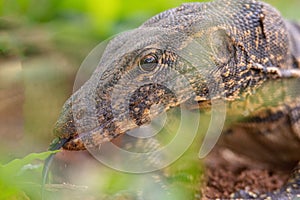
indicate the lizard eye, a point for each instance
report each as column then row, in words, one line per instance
column 148, row 63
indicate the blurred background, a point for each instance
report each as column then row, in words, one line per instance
column 42, row 44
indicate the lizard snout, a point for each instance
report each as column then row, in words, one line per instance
column 65, row 130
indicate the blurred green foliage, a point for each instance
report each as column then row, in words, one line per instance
column 19, row 178
column 104, row 18
column 42, row 43
column 79, row 25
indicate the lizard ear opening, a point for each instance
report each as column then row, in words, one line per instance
column 222, row 46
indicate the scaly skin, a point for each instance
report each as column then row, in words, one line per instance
column 241, row 47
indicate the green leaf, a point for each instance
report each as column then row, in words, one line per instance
column 20, row 178
column 15, row 166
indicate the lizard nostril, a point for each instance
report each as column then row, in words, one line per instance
column 80, row 114
column 64, row 127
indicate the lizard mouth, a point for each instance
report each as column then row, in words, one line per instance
column 144, row 104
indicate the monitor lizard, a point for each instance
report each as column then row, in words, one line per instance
column 239, row 47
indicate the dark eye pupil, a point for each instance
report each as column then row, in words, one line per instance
column 148, row 63
column 149, row 59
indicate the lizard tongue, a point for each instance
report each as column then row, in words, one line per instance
column 56, row 144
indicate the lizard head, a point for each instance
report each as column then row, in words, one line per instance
column 141, row 74
column 184, row 55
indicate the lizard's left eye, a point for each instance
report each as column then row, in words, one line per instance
column 148, row 63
